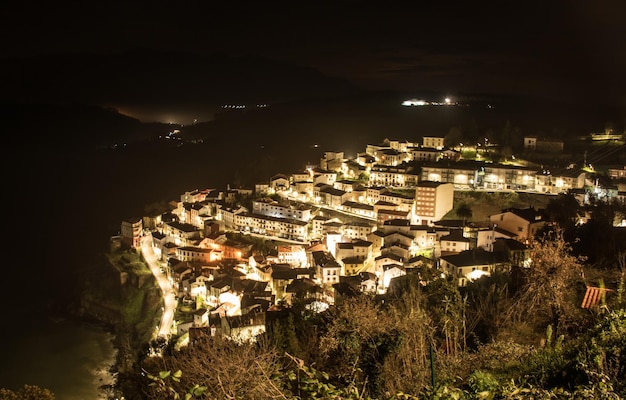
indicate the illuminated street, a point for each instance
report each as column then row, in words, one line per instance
column 165, row 285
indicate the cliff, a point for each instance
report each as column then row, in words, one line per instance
column 120, row 292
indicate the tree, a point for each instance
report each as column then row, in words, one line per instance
column 506, row 152
column 598, row 240
column 489, row 299
column 359, row 336
column 227, row 369
column 563, row 210
column 549, row 295
column 446, row 308
column 464, row 211
column 407, row 369
column 282, row 334
column 454, row 136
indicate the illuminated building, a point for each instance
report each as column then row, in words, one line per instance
column 432, row 201
column 132, row 232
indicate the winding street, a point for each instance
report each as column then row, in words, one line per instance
column 169, row 301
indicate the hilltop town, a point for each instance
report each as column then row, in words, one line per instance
column 352, row 225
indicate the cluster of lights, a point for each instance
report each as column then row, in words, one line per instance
column 234, row 106
column 172, row 135
column 415, row 102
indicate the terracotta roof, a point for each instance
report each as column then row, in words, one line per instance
column 594, row 296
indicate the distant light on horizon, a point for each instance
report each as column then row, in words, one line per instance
column 419, row 102
column 173, row 115
column 414, row 102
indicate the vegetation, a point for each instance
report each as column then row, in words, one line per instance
column 128, row 260
column 464, row 211
column 27, row 392
column 483, row 204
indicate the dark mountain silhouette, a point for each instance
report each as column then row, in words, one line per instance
column 165, row 78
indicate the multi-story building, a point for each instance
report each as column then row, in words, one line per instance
column 301, row 176
column 327, row 269
column 392, row 157
column 402, row 146
column 455, row 242
column 543, row 144
column 182, row 234
column 462, row 174
column 374, row 149
column 433, row 200
column 357, row 230
column 324, row 176
column 273, row 208
column 286, row 228
column 384, row 215
column 506, row 177
column 346, row 185
column 303, row 190
column 194, row 196
column 366, row 160
column 424, row 237
column 372, row 193
column 229, row 249
column 486, row 237
column 404, row 202
column 361, row 249
column 317, row 226
column 559, row 180
column 395, row 176
column 364, row 210
column 332, row 160
column 279, row 183
column 197, row 254
column 398, row 243
column 132, row 232
column 331, row 197
column 192, row 213
column 226, row 216
column 617, row 173
column 386, row 259
column 425, row 154
column 433, row 142
column 294, row 255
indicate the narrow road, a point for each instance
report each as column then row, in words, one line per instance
column 169, row 300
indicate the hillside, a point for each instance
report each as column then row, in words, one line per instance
column 484, row 204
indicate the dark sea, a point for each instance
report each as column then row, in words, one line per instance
column 71, row 359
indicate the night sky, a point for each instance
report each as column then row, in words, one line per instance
column 565, row 50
